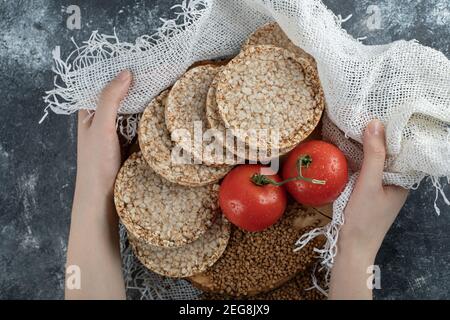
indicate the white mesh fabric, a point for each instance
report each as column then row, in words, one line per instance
column 144, row 284
column 404, row 84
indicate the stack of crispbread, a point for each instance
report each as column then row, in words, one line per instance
column 175, row 230
column 190, row 137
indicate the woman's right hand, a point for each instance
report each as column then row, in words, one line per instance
column 369, row 214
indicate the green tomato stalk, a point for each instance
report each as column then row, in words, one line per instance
column 303, row 161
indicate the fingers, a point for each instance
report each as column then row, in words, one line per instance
column 84, row 121
column 110, row 98
column 399, row 193
column 374, row 155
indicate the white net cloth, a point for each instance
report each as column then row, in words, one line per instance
column 404, row 84
column 143, row 284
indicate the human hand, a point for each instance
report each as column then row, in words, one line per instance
column 372, row 207
column 369, row 214
column 94, row 234
column 98, row 158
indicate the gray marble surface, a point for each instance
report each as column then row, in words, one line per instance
column 37, row 162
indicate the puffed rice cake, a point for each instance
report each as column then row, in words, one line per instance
column 270, row 88
column 187, row 260
column 158, row 149
column 214, row 121
column 160, row 212
column 232, row 145
column 272, row 34
column 185, row 106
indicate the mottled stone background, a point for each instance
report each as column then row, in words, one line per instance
column 37, row 162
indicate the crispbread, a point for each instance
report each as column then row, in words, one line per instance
column 272, row 34
column 267, row 87
column 213, row 118
column 185, row 106
column 157, row 147
column 187, row 98
column 214, row 121
column 262, row 261
column 159, row 212
column 186, row 260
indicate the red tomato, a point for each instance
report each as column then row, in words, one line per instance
column 327, row 163
column 250, row 206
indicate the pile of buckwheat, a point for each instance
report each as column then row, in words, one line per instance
column 257, row 262
column 299, row 288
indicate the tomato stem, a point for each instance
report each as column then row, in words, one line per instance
column 303, row 161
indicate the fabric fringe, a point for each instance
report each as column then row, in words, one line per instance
column 328, row 252
column 127, row 125
column 439, row 188
column 100, row 47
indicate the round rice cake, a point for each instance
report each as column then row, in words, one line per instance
column 166, row 158
column 187, row 260
column 186, row 116
column 213, row 118
column 272, row 34
column 160, row 212
column 267, row 89
column 257, row 262
column 214, row 121
column 240, row 149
